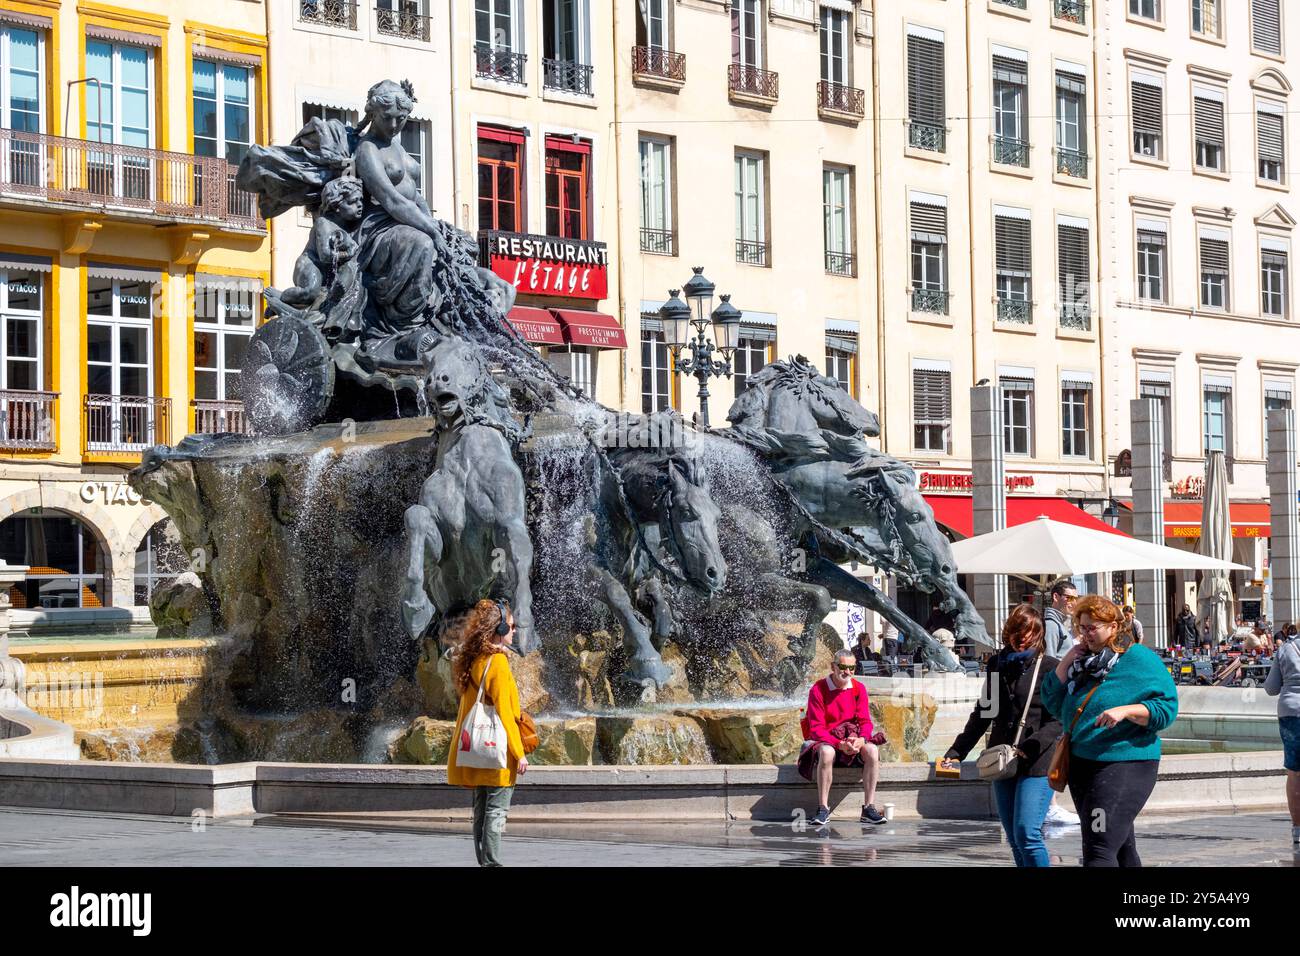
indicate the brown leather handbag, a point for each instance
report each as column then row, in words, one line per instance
column 528, row 732
column 1058, row 774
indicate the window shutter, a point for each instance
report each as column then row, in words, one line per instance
column 929, row 223
column 1148, row 108
column 1014, row 253
column 1014, row 383
column 1073, row 265
column 1071, row 82
column 1209, row 121
column 1214, row 255
column 1146, row 237
column 1150, row 389
column 842, row 343
column 931, row 396
column 1275, row 259
column 1270, row 137
column 1008, row 70
column 1266, row 25
column 925, row 93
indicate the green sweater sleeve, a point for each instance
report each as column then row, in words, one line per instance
column 1161, row 698
column 1052, row 693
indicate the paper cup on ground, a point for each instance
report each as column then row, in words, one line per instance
column 889, row 811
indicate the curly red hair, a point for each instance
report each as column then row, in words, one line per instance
column 1104, row 611
column 475, row 635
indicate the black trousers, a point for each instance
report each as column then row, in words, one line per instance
column 1109, row 795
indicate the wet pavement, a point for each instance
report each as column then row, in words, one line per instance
column 73, row 838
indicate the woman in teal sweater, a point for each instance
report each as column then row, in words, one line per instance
column 1127, row 697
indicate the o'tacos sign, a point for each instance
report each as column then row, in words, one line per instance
column 547, row 265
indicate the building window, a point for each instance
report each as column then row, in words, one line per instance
column 125, row 77
column 64, row 557
column 565, row 61
column 656, row 373
column 1074, row 274
column 1273, row 282
column 750, row 356
column 225, row 310
column 1205, row 18
column 119, row 336
column 1010, row 123
column 1266, row 26
column 652, row 24
column 21, row 314
column 568, row 188
column 21, row 79
column 841, row 360
column 158, row 560
column 1146, row 9
column 1208, row 114
column 929, row 223
column 657, row 196
column 1277, row 396
column 836, row 46
column 1017, row 415
column 1270, row 132
column 837, row 219
column 931, row 408
column 1076, row 419
column 312, row 111
column 751, row 214
column 1214, row 272
column 578, row 364
column 1151, row 261
column 223, row 120
column 747, row 32
column 500, row 179
column 1161, row 389
column 1071, row 124
column 1147, row 95
column 1014, row 258
column 926, row 112
column 495, row 24
column 416, row 137
column 1217, row 416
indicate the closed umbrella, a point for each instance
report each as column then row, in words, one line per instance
column 1214, row 601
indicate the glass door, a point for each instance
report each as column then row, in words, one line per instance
column 120, row 111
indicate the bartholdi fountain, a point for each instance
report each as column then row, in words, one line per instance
column 412, row 454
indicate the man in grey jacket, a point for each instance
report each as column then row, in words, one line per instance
column 1283, row 682
column 1056, row 622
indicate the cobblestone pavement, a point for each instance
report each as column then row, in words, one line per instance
column 69, row 838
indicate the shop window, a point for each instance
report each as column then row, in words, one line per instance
column 568, row 187
column 500, row 179
column 66, row 561
column 158, row 560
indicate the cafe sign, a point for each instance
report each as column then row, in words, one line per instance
column 965, row 481
column 547, row 265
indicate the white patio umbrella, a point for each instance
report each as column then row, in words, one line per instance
column 1215, row 597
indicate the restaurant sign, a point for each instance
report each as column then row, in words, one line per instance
column 965, row 481
column 547, row 265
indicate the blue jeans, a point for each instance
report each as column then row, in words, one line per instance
column 1022, row 807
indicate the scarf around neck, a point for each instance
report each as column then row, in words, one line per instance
column 1088, row 668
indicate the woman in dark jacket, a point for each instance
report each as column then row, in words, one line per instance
column 1023, row 799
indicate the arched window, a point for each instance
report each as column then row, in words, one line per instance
column 158, row 560
column 65, row 556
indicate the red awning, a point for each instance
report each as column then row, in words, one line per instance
column 591, row 328
column 956, row 512
column 536, row 325
column 1250, row 519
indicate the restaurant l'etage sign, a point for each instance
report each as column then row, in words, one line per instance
column 547, row 265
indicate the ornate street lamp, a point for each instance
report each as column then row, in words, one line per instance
column 678, row 319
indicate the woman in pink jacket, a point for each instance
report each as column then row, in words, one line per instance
column 839, row 734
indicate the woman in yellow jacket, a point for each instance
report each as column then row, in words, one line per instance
column 483, row 636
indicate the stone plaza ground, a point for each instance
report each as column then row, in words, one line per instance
column 67, row 838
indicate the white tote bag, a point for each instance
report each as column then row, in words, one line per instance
column 483, row 735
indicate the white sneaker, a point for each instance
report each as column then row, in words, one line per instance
column 1061, row 817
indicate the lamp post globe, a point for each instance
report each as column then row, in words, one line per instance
column 726, row 326
column 676, row 318
column 699, row 293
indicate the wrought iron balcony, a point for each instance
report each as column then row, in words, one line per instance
column 1015, row 311
column 499, row 63
column 1010, row 152
column 652, row 62
column 1073, row 11
column 214, row 417
column 339, row 14
column 406, row 22
column 660, row 241
column 1018, row 4
column 841, row 263
column 934, row 301
column 1072, row 162
column 840, row 99
column 746, row 80
column 751, row 253
column 152, row 182
column 566, row 75
column 1076, row 315
column 927, row 136
column 27, row 420
column 125, row 424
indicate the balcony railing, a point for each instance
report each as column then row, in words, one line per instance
column 1018, row 4
column 27, row 419
column 150, row 181
column 663, row 64
column 1016, row 311
column 1076, row 315
column 841, row 263
column 927, row 136
column 567, row 76
column 661, row 241
column 339, row 14
column 499, row 63
column 125, row 424
column 1010, row 152
column 1072, row 162
column 407, row 22
column 213, row 417
column 934, row 301
column 1074, row 11
column 751, row 81
column 840, row 99
column 751, row 252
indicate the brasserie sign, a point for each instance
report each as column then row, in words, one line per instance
column 547, row 265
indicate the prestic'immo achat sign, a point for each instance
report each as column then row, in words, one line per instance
column 547, row 265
